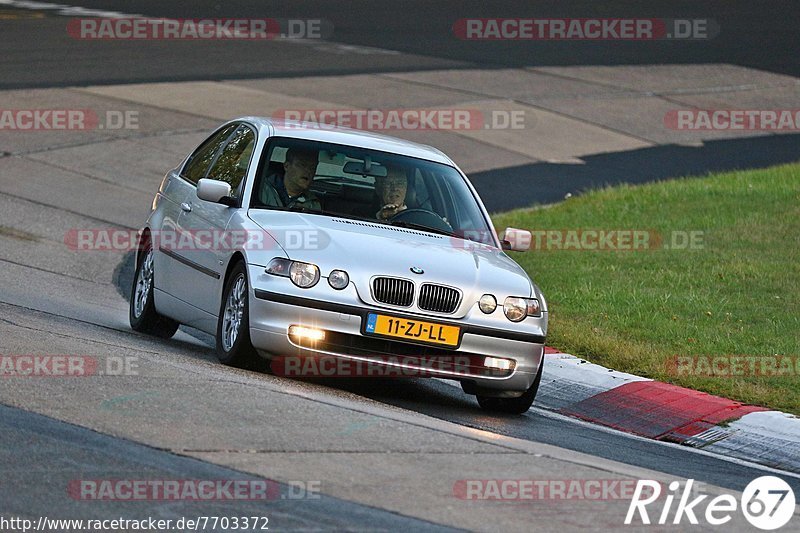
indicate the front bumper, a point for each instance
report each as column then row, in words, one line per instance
column 272, row 312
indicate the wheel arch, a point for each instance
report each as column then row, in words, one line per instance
column 144, row 236
column 235, row 258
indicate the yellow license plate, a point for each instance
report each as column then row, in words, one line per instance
column 412, row 330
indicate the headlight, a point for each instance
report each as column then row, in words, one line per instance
column 534, row 309
column 304, row 275
column 338, row 279
column 279, row 267
column 516, row 309
column 487, row 303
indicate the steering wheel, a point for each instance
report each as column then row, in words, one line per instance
column 423, row 217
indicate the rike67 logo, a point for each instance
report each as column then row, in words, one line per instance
column 767, row 503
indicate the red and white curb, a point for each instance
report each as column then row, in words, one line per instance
column 660, row 411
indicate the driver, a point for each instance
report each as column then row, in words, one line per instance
column 391, row 192
column 290, row 187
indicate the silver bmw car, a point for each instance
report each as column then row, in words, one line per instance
column 304, row 243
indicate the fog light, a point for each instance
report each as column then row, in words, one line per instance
column 498, row 363
column 307, row 333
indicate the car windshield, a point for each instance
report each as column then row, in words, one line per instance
column 356, row 183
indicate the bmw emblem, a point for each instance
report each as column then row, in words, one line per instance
column 417, row 270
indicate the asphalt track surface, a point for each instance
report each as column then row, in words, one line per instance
column 69, row 447
column 42, row 305
column 751, row 34
column 38, row 52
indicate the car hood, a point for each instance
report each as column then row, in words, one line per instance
column 366, row 249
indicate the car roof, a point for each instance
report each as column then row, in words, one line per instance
column 347, row 137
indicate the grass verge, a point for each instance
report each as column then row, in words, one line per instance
column 716, row 310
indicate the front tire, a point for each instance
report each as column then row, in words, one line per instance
column 142, row 313
column 515, row 406
column 233, row 326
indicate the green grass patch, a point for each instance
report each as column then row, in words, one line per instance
column 736, row 294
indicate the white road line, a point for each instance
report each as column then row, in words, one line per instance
column 64, row 10
column 342, row 49
column 75, row 11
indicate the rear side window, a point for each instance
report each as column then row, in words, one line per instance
column 234, row 159
column 199, row 162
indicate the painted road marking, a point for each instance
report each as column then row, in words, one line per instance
column 64, row 10
column 74, row 11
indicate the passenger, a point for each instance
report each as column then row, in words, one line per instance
column 391, row 192
column 290, row 188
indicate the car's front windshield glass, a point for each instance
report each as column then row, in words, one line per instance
column 350, row 182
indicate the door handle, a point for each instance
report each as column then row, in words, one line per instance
column 186, row 206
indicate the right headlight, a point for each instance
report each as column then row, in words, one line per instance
column 517, row 309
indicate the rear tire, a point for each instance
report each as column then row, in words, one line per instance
column 515, row 406
column 233, row 326
column 142, row 313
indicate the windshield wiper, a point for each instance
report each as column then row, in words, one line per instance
column 423, row 227
column 300, row 208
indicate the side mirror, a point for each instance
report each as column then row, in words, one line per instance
column 214, row 191
column 516, row 240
